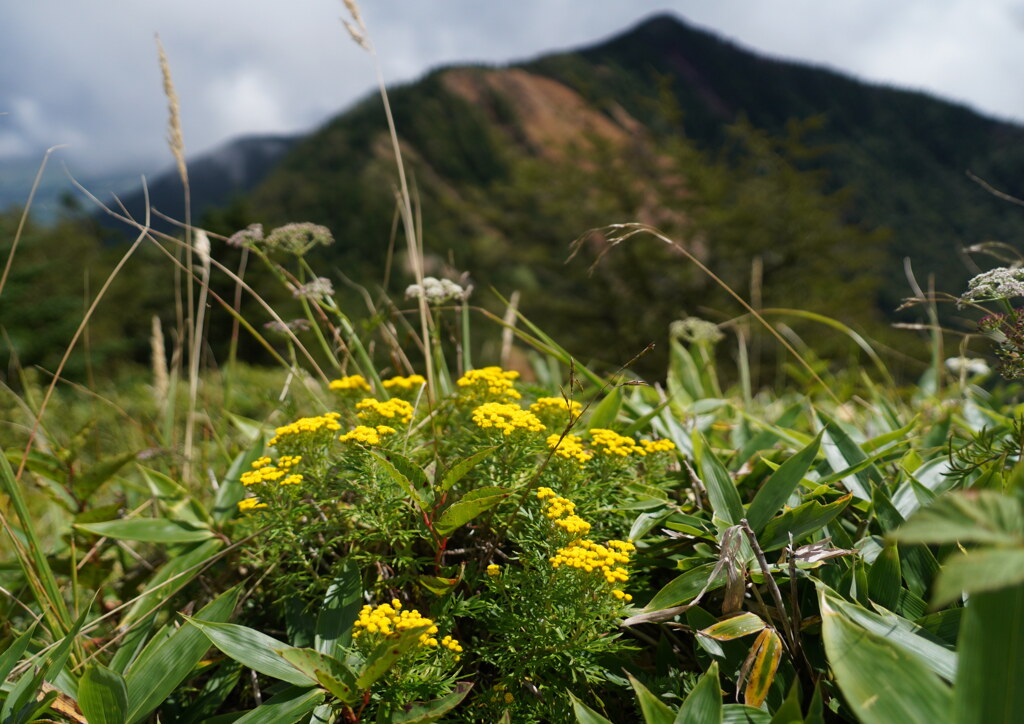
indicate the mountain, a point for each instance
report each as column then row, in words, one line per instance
column 215, row 178
column 797, row 185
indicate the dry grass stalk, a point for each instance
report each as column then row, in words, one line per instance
column 161, row 380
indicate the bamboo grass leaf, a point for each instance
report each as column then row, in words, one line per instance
column 424, row 711
column 103, row 696
column 252, row 648
column 703, row 705
column 286, row 707
column 735, row 627
column 766, row 653
column 722, row 493
column 776, row 490
column 584, row 714
column 654, row 710
column 148, row 530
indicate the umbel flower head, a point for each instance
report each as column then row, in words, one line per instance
column 695, row 330
column 436, row 291
column 999, row 283
column 294, row 239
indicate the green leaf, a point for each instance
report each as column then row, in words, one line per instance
column 176, row 502
column 686, row 586
column 339, row 611
column 287, row 707
column 881, row 682
column 88, row 481
column 722, row 493
column 332, row 674
column 776, row 489
column 460, row 469
column 103, row 696
column 842, row 452
column 148, row 530
column 424, row 711
column 735, row 627
column 767, row 653
column 468, row 507
column 800, row 521
column 654, row 710
column 703, row 705
column 902, row 633
column 985, row 569
column 584, row 714
column 160, row 670
column 741, row 714
column 988, row 680
column 439, row 585
column 253, row 649
column 978, row 516
column 171, row 578
column 401, row 478
column 386, row 654
column 885, row 579
column 12, row 655
column 607, row 410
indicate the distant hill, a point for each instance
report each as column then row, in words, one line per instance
column 665, row 124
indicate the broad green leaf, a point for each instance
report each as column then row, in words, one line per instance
column 686, row 586
column 148, row 530
column 703, row 705
column 880, row 681
column 985, row 569
column 584, row 714
column 339, row 611
column 842, row 452
column 160, row 670
column 885, row 579
column 789, row 711
column 172, row 577
column 767, row 653
column 722, row 493
column 103, row 696
column 252, row 648
column 977, row 516
column 425, row 711
column 402, row 479
column 175, row 500
column 439, row 585
column 645, row 521
column 800, row 521
column 287, row 707
column 460, row 469
column 88, row 481
column 607, row 410
column 742, row 714
column 468, row 507
column 386, row 654
column 735, row 627
column 10, row 658
column 776, row 490
column 655, row 711
column 988, row 680
column 331, row 674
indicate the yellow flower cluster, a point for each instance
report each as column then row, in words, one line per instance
column 265, row 471
column 570, row 447
column 404, row 383
column 489, row 382
column 562, row 512
column 610, row 443
column 657, row 446
column 586, row 555
column 305, row 425
column 556, row 405
column 393, row 409
column 350, row 384
column 388, row 619
column 367, row 435
column 507, row 417
column 247, row 504
column 494, row 570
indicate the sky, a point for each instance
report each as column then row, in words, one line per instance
column 86, row 74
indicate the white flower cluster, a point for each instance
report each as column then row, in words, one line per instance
column 318, row 289
column 968, row 365
column 435, row 291
column 1001, row 283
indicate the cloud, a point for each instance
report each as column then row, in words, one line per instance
column 86, row 73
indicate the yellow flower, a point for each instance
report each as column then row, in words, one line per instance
column 611, row 443
column 559, row 405
column 494, row 570
column 506, row 417
column 351, row 383
column 390, row 620
column 306, row 427
column 569, row 447
column 657, row 446
column 367, row 435
column 404, row 383
column 489, row 383
column 247, row 504
column 389, row 410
